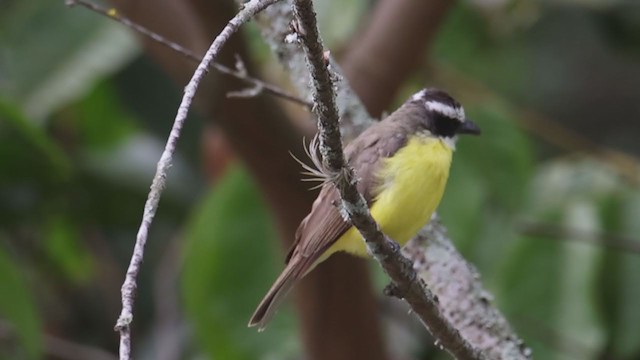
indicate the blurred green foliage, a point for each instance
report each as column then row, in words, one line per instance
column 229, row 254
column 18, row 311
column 50, row 55
column 82, row 123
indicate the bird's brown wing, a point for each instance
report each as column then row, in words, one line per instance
column 324, row 224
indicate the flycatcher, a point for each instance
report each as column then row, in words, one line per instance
column 402, row 164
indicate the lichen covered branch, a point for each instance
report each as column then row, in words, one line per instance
column 387, row 252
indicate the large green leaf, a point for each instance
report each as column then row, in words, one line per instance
column 228, row 268
column 18, row 309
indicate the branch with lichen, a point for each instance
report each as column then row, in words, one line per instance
column 465, row 304
column 407, row 284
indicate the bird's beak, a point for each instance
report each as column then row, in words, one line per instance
column 469, row 127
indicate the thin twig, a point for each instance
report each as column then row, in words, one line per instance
column 386, row 251
column 158, row 184
column 238, row 73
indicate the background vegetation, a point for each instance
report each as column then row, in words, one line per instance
column 545, row 203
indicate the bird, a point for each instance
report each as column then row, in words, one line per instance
column 402, row 165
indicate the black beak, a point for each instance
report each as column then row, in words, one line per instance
column 468, row 127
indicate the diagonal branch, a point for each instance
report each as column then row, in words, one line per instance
column 158, row 184
column 386, row 251
column 454, row 281
column 466, row 305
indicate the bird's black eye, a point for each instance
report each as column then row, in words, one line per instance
column 444, row 126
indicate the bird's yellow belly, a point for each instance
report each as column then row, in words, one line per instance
column 412, row 185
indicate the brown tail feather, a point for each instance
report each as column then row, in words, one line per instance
column 293, row 272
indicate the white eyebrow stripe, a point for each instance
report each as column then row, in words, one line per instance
column 446, row 110
column 419, row 95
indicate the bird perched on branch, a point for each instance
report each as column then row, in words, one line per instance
column 402, row 164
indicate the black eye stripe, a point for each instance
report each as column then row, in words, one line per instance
column 444, row 126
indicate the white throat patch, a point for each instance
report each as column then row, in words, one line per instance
column 426, row 135
column 446, row 110
column 450, row 142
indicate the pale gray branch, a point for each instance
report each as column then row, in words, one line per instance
column 128, row 288
column 463, row 301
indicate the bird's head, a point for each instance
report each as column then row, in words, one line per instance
column 445, row 117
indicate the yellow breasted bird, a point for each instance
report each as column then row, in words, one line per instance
column 402, row 164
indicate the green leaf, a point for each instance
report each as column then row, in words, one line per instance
column 621, row 288
column 18, row 309
column 79, row 46
column 101, row 118
column 229, row 265
column 22, row 143
column 33, row 166
column 65, row 249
